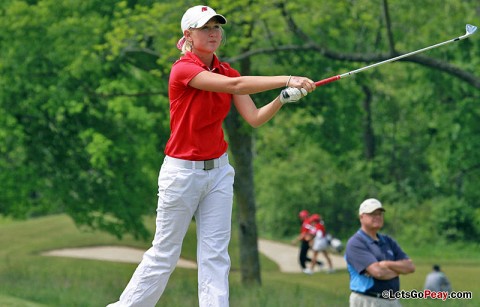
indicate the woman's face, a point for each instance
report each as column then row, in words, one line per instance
column 206, row 39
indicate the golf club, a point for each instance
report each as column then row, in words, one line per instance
column 469, row 28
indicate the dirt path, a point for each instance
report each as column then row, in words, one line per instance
column 286, row 256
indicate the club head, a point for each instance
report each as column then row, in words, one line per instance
column 470, row 29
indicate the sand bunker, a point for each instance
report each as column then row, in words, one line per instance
column 286, row 256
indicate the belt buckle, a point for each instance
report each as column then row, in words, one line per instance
column 208, row 164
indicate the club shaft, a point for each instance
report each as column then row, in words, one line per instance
column 338, row 77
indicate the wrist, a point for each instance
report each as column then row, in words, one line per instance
column 288, row 81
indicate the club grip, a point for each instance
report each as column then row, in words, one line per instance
column 328, row 80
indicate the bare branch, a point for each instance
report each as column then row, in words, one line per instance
column 130, row 49
column 292, row 24
column 445, row 67
column 310, row 46
column 139, row 94
column 386, row 14
column 366, row 58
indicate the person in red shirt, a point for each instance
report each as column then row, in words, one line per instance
column 305, row 237
column 320, row 241
column 196, row 178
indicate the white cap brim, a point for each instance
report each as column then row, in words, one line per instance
column 370, row 205
column 202, row 21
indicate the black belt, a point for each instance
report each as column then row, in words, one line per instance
column 372, row 294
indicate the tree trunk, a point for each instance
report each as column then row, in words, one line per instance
column 368, row 135
column 240, row 139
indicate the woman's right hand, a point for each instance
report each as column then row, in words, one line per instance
column 302, row 83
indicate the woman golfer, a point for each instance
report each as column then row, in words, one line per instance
column 196, row 178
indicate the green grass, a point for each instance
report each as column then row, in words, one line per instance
column 30, row 280
column 7, row 301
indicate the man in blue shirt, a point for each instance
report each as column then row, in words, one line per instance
column 374, row 260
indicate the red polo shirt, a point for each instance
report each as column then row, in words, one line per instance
column 196, row 116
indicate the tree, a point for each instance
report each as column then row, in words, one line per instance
column 84, row 121
column 84, row 111
column 392, row 172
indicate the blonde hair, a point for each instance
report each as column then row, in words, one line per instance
column 187, row 46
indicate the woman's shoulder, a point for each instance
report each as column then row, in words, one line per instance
column 184, row 60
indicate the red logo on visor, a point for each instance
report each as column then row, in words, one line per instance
column 204, row 9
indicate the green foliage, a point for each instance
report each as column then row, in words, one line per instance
column 421, row 121
column 441, row 220
column 454, row 220
column 298, row 174
column 88, row 125
column 84, row 111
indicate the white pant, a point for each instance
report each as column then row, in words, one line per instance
column 320, row 244
column 358, row 300
column 184, row 193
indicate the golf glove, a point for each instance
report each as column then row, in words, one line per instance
column 292, row 94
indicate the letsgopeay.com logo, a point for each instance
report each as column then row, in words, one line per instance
column 427, row 294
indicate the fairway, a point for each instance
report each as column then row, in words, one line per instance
column 7, row 301
column 29, row 279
